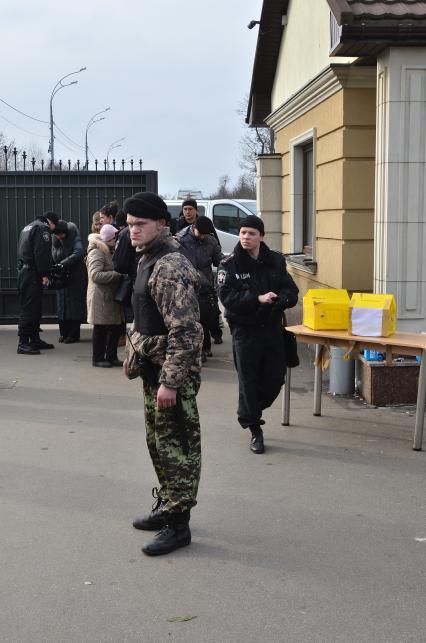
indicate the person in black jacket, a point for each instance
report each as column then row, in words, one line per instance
column 255, row 289
column 34, row 263
column 200, row 245
column 68, row 256
column 187, row 216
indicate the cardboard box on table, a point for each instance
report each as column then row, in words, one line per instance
column 326, row 309
column 372, row 315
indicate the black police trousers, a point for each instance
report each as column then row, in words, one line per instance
column 259, row 360
column 30, row 290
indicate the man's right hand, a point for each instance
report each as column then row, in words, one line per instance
column 125, row 368
column 267, row 298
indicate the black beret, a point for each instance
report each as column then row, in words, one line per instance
column 204, row 225
column 252, row 221
column 146, row 205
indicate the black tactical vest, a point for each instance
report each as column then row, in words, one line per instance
column 147, row 318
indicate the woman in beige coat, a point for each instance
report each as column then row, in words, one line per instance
column 102, row 311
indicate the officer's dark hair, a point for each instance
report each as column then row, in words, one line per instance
column 120, row 218
column 52, row 216
column 110, row 209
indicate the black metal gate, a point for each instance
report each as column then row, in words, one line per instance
column 73, row 194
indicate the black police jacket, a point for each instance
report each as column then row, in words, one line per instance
column 35, row 247
column 124, row 257
column 241, row 279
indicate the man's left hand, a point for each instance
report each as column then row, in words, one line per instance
column 166, row 397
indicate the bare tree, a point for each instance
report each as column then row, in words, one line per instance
column 254, row 141
column 244, row 188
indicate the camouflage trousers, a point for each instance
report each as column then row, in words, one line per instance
column 175, row 446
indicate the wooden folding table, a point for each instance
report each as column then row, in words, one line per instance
column 412, row 344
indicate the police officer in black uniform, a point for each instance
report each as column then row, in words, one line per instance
column 34, row 263
column 255, row 289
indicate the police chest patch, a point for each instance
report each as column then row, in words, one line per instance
column 46, row 237
column 221, row 277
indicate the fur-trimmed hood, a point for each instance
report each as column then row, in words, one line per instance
column 95, row 241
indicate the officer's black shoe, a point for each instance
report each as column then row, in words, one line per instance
column 176, row 533
column 256, row 442
column 61, row 339
column 218, row 340
column 116, row 362
column 102, row 364
column 27, row 349
column 40, row 344
column 156, row 519
column 71, row 340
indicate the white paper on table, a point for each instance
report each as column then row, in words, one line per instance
column 367, row 321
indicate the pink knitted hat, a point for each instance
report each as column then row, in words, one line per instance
column 107, row 232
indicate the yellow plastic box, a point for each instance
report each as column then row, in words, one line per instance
column 326, row 309
column 372, row 315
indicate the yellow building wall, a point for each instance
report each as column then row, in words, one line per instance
column 344, row 184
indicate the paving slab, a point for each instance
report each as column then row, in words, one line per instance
column 321, row 539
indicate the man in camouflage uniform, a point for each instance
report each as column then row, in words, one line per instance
column 167, row 337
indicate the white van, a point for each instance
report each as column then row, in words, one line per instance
column 226, row 215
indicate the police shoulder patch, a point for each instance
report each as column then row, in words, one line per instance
column 46, row 237
column 221, row 276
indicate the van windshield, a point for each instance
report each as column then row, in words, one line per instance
column 249, row 204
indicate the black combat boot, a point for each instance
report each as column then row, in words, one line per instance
column 156, row 519
column 40, row 344
column 256, row 442
column 25, row 348
column 174, row 534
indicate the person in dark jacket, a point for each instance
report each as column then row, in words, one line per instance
column 187, row 216
column 34, row 264
column 68, row 255
column 200, row 246
column 255, row 289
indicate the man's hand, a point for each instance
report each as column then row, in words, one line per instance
column 125, row 368
column 267, row 298
column 166, row 397
column 45, row 281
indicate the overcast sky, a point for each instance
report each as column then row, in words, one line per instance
column 173, row 73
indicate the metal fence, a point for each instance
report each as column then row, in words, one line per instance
column 74, row 193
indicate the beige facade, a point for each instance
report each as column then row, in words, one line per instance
column 353, row 166
column 343, row 127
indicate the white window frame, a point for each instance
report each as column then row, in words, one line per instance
column 296, row 182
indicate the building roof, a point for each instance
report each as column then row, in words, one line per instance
column 358, row 28
column 350, row 10
column 265, row 60
column 366, row 27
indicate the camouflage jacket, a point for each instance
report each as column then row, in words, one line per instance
column 173, row 286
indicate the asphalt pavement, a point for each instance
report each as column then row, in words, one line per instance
column 321, row 539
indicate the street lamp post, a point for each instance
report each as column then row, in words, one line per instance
column 113, row 145
column 91, row 122
column 59, row 85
